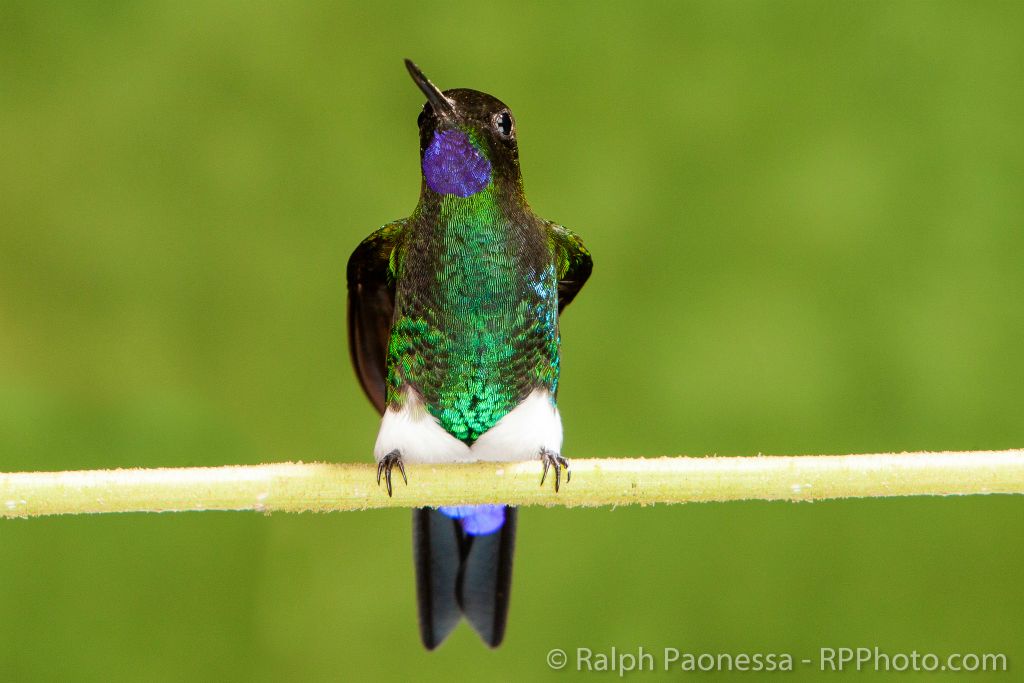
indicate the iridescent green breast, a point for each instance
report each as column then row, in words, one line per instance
column 476, row 324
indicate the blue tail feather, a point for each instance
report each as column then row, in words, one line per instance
column 476, row 520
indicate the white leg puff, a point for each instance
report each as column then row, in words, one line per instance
column 530, row 427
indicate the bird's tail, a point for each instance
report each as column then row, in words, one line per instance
column 463, row 559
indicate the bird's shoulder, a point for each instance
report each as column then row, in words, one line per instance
column 375, row 255
column 572, row 261
column 569, row 250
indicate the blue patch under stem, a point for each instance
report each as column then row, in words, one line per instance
column 453, row 165
column 476, row 520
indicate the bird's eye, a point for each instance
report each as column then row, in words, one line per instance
column 503, row 124
column 424, row 114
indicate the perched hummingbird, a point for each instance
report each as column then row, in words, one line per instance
column 453, row 329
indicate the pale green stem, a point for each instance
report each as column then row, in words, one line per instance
column 319, row 487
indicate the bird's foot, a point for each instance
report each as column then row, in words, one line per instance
column 384, row 467
column 552, row 459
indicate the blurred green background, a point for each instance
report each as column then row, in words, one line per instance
column 807, row 221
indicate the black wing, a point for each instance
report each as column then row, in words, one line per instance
column 572, row 262
column 371, row 309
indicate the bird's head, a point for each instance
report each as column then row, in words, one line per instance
column 467, row 140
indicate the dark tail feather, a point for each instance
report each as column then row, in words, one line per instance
column 457, row 573
column 487, row 578
column 436, row 552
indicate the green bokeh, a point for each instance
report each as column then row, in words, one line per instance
column 807, row 221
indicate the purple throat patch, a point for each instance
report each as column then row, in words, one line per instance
column 452, row 165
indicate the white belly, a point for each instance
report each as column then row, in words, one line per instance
column 531, row 426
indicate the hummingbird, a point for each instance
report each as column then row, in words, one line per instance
column 453, row 331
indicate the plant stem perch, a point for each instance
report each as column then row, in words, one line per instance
column 320, row 487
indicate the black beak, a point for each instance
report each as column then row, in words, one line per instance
column 441, row 104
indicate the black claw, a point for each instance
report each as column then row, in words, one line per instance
column 551, row 459
column 384, row 467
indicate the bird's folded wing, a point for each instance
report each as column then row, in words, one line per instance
column 572, row 263
column 371, row 308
